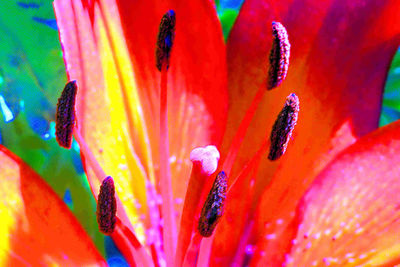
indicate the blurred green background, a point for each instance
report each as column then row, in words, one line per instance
column 32, row 75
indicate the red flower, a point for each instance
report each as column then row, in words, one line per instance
column 332, row 198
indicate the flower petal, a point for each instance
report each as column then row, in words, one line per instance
column 109, row 48
column 351, row 213
column 37, row 228
column 340, row 53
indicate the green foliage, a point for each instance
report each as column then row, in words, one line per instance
column 227, row 11
column 391, row 97
column 228, row 17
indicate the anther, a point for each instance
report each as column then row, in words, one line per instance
column 106, row 206
column 283, row 127
column 214, row 206
column 279, row 56
column 165, row 39
column 65, row 115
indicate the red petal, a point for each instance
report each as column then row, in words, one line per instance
column 341, row 51
column 37, row 228
column 351, row 213
column 197, row 76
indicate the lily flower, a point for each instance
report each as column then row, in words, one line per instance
column 331, row 198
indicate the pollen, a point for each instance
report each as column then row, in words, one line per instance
column 107, row 207
column 65, row 115
column 165, row 39
column 283, row 127
column 214, row 206
column 279, row 56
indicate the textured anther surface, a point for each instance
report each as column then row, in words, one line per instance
column 65, row 115
column 214, row 206
column 279, row 56
column 165, row 39
column 106, row 207
column 283, row 127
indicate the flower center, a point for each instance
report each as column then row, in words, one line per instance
column 188, row 247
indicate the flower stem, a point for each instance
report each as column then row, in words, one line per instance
column 169, row 231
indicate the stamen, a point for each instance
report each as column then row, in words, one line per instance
column 279, row 56
column 107, row 207
column 214, row 206
column 165, row 39
column 283, row 127
column 65, row 115
column 164, row 44
column 106, row 200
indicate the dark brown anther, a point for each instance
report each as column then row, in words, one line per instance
column 283, row 127
column 65, row 115
column 165, row 39
column 107, row 207
column 214, row 206
column 279, row 56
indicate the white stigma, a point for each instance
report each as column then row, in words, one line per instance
column 207, row 156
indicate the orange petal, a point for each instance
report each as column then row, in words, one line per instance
column 37, row 227
column 340, row 53
column 350, row 215
column 109, row 48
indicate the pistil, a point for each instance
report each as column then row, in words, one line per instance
column 205, row 163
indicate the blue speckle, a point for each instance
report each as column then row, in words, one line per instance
column 14, row 60
column 77, row 163
column 52, row 23
column 68, row 199
column 38, row 124
column 28, row 5
column 168, row 41
column 113, row 255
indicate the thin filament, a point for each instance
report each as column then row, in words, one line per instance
column 169, row 231
column 241, row 132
